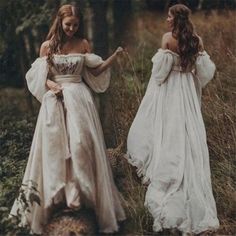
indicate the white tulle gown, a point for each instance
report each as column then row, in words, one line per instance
column 167, row 143
column 67, row 161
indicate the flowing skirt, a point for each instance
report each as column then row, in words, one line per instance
column 167, row 143
column 68, row 163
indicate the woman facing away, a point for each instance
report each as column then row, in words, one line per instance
column 67, row 161
column 167, row 139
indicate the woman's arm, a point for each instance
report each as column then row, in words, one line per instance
column 201, row 45
column 44, row 49
column 54, row 87
column 107, row 63
column 165, row 40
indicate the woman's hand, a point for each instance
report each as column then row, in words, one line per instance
column 55, row 88
column 119, row 51
column 107, row 63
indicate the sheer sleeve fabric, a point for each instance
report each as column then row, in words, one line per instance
column 205, row 68
column 100, row 83
column 162, row 64
column 36, row 78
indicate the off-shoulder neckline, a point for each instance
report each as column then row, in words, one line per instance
column 168, row 50
column 176, row 54
column 70, row 54
column 65, row 55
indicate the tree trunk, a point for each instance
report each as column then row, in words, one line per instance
column 100, row 27
column 121, row 13
column 101, row 47
column 32, row 54
column 23, row 65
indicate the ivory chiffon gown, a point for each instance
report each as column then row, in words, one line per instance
column 67, row 161
column 167, row 143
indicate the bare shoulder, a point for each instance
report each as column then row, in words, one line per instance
column 167, row 36
column 86, row 46
column 82, row 46
column 167, row 40
column 44, row 49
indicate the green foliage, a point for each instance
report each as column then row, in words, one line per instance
column 25, row 14
column 23, row 27
column 15, row 139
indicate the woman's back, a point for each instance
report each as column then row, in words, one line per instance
column 171, row 43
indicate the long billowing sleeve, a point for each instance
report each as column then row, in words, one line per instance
column 36, row 78
column 162, row 64
column 100, row 83
column 205, row 68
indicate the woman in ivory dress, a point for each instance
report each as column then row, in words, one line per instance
column 167, row 139
column 67, row 161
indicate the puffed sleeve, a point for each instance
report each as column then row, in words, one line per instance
column 36, row 78
column 100, row 83
column 162, row 64
column 205, row 68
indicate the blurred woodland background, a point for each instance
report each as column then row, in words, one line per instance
column 137, row 25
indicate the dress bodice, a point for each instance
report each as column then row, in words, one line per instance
column 165, row 61
column 176, row 61
column 70, row 69
column 71, row 64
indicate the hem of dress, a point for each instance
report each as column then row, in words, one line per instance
column 208, row 228
column 49, row 203
column 110, row 231
column 141, row 171
column 24, row 222
column 24, row 225
column 185, row 227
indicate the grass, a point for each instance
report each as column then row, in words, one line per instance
column 131, row 76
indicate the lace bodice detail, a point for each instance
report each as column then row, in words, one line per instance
column 67, row 64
